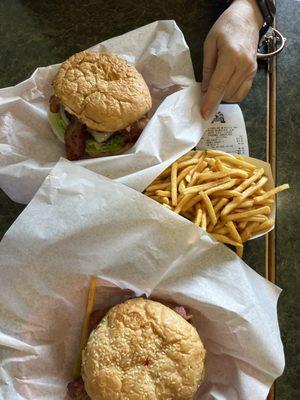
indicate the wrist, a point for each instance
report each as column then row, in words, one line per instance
column 251, row 10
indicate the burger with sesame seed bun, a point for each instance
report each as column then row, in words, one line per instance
column 141, row 349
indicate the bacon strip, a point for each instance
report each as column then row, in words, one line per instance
column 75, row 137
column 76, row 390
column 54, row 104
column 137, row 128
column 182, row 312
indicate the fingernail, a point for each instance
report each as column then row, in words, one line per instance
column 205, row 114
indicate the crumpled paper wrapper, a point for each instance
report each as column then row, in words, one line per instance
column 29, row 150
column 81, row 224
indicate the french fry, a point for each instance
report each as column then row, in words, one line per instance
column 186, row 163
column 149, row 194
column 227, row 194
column 255, row 218
column 246, row 234
column 246, row 214
column 85, row 325
column 220, row 165
column 174, row 183
column 220, row 231
column 206, row 176
column 158, row 186
column 156, row 198
column 183, row 173
column 193, row 201
column 261, row 199
column 220, row 225
column 194, row 178
column 267, row 224
column 211, row 162
column 183, row 201
column 237, row 162
column 186, row 156
column 163, row 193
column 199, row 168
column 268, row 202
column 165, row 200
column 159, row 199
column 217, row 153
column 225, row 239
column 204, row 220
column 209, row 207
column 180, row 196
column 196, row 168
column 250, row 227
column 233, row 232
column 242, row 225
column 204, row 186
column 236, row 172
column 240, row 251
column 246, row 204
column 191, row 153
column 198, row 154
column 188, row 177
column 181, row 186
column 228, row 184
column 221, row 203
column 198, row 217
column 239, row 210
column 260, row 192
column 212, row 227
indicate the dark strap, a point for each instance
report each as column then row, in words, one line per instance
column 268, row 10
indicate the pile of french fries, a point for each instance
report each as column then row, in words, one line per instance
column 221, row 193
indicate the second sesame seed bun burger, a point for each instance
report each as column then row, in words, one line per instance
column 100, row 104
column 143, row 349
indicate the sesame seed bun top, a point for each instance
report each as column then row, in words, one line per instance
column 143, row 350
column 102, row 90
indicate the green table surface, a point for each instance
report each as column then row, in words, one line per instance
column 39, row 33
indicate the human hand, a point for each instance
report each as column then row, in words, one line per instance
column 230, row 55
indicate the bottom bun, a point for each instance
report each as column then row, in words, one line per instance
column 142, row 349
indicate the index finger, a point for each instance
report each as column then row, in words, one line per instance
column 217, row 86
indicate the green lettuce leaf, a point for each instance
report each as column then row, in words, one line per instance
column 58, row 125
column 112, row 145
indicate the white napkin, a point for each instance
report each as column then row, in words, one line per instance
column 28, row 148
column 80, row 224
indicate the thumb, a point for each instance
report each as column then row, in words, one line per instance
column 209, row 62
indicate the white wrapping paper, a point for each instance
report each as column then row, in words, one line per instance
column 28, row 148
column 80, row 224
